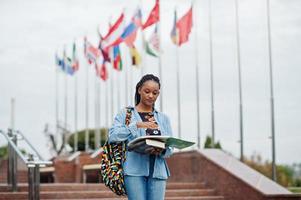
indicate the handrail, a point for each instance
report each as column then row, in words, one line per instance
column 32, row 164
column 27, row 141
column 14, row 147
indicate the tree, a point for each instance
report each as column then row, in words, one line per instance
column 81, row 138
column 208, row 144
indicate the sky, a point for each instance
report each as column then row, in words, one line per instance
column 32, row 32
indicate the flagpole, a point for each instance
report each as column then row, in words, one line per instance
column 211, row 78
column 178, row 87
column 118, row 88
column 56, row 99
column 87, row 110
column 274, row 175
column 131, row 84
column 66, row 97
column 239, row 83
column 178, row 91
column 197, row 79
column 96, row 131
column 126, row 81
column 112, row 93
column 106, row 105
column 160, row 60
column 75, row 114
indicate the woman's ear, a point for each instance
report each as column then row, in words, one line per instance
column 139, row 90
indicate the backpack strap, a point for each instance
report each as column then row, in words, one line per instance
column 128, row 115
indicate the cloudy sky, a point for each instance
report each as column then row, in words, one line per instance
column 32, row 32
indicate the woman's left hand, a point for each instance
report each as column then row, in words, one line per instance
column 156, row 151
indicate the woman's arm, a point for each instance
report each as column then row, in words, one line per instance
column 168, row 151
column 119, row 132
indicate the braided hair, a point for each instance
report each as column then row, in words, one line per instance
column 147, row 77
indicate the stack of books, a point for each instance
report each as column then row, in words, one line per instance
column 145, row 143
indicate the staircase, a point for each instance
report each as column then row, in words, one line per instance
column 67, row 191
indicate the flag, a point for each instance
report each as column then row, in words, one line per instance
column 75, row 62
column 136, row 58
column 184, row 26
column 153, row 17
column 91, row 52
column 114, row 33
column 174, row 32
column 129, row 33
column 103, row 73
column 152, row 46
column 64, row 63
column 117, row 58
column 105, row 54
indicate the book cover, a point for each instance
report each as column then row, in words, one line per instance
column 141, row 144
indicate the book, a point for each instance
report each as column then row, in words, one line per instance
column 145, row 143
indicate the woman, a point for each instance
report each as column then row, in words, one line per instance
column 145, row 174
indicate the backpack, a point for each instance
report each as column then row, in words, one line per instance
column 112, row 158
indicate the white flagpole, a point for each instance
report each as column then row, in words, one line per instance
column 131, row 85
column 160, row 60
column 56, row 98
column 107, row 104
column 239, row 83
column 274, row 173
column 66, row 97
column 87, row 110
column 178, row 88
column 75, row 114
column 197, row 78
column 112, row 93
column 126, row 81
column 211, row 78
column 96, row 110
column 178, row 91
column 12, row 114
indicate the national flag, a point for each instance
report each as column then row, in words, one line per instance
column 136, row 58
column 184, row 26
column 153, row 17
column 75, row 62
column 105, row 54
column 117, row 58
column 129, row 33
column 114, row 33
column 174, row 32
column 103, row 73
column 91, row 52
column 152, row 46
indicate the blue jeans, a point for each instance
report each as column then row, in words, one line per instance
column 144, row 188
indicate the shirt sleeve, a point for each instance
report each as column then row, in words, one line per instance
column 169, row 150
column 119, row 132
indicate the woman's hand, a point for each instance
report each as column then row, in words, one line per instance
column 149, row 125
column 154, row 151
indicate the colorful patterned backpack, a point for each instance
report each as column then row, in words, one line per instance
column 112, row 158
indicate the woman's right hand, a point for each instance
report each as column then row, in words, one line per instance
column 149, row 125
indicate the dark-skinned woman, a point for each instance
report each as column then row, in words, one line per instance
column 145, row 174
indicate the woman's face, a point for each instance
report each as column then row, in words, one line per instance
column 149, row 92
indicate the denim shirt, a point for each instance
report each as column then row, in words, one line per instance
column 137, row 164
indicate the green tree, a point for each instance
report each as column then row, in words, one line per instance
column 3, row 152
column 285, row 173
column 81, row 138
column 208, row 144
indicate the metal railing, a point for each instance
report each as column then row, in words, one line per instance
column 33, row 163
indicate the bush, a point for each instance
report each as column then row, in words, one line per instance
column 81, row 138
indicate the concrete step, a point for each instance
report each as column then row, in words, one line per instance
column 100, row 194
column 93, row 187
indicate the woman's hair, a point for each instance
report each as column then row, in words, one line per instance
column 147, row 77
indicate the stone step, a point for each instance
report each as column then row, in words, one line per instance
column 167, row 198
column 94, row 187
column 102, row 194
